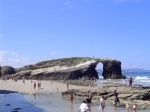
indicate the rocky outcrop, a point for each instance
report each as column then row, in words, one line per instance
column 70, row 68
column 111, row 69
column 7, row 70
column 138, row 95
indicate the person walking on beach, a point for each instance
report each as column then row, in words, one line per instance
column 38, row 85
column 34, row 85
column 84, row 107
column 127, row 107
column 102, row 104
column 71, row 97
column 23, row 79
column 89, row 101
column 116, row 94
column 130, row 82
column 67, row 86
column 115, row 102
column 134, row 108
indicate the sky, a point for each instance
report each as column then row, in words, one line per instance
column 37, row 30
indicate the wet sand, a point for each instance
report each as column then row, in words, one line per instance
column 43, row 99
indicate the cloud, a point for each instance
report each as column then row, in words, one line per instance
column 10, row 58
column 53, row 53
column 2, row 55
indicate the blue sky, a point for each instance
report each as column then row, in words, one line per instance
column 36, row 30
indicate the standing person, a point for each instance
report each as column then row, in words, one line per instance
column 23, row 79
column 38, row 85
column 67, row 86
column 127, row 107
column 102, row 104
column 130, row 82
column 134, row 108
column 71, row 97
column 116, row 94
column 90, row 94
column 115, row 102
column 84, row 107
column 88, row 101
column 34, row 85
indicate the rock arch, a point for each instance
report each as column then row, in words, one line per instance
column 70, row 68
column 111, row 68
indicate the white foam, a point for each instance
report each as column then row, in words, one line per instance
column 142, row 78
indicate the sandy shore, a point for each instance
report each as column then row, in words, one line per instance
column 28, row 87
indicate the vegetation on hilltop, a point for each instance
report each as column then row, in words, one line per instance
column 73, row 61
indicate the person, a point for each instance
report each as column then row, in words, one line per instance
column 130, row 82
column 67, row 86
column 83, row 107
column 88, row 101
column 116, row 94
column 134, row 108
column 90, row 94
column 38, row 85
column 127, row 107
column 71, row 97
column 23, row 79
column 102, row 104
column 34, row 85
column 115, row 102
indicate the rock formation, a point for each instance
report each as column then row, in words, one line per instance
column 111, row 69
column 138, row 95
column 7, row 70
column 69, row 68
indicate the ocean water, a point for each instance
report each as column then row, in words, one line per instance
column 138, row 78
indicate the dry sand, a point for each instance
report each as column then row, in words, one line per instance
column 28, row 87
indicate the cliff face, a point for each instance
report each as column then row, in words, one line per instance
column 70, row 68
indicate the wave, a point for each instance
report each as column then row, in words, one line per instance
column 142, row 78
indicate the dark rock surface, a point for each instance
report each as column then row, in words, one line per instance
column 137, row 95
column 68, row 68
column 7, row 70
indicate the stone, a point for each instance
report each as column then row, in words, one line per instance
column 139, row 96
column 70, row 68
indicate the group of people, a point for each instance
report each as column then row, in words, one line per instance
column 86, row 105
column 39, row 85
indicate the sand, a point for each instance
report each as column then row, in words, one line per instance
column 28, row 87
column 47, row 86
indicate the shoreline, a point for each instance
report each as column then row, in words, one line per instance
column 11, row 86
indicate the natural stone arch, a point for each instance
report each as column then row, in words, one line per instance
column 111, row 68
column 70, row 68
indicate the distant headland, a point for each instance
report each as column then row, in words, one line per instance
column 66, row 68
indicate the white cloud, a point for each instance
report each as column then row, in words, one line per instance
column 12, row 53
column 10, row 58
column 53, row 53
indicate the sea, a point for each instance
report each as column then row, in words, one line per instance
column 55, row 102
column 138, row 78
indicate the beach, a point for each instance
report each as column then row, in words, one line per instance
column 46, row 99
